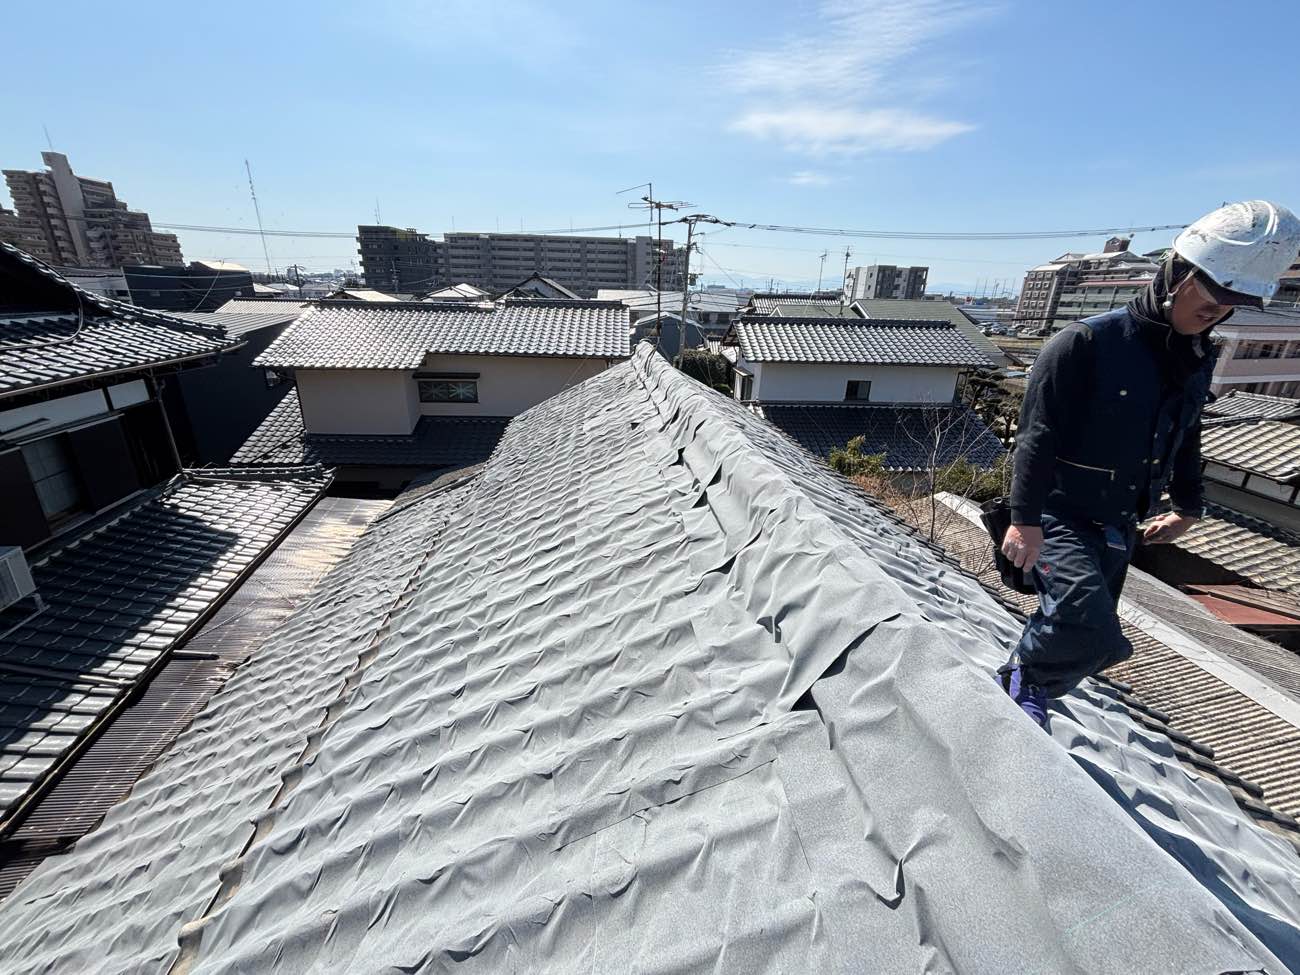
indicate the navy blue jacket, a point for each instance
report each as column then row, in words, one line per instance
column 1112, row 415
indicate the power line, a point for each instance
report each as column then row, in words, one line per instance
column 740, row 224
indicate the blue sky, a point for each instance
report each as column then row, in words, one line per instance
column 917, row 115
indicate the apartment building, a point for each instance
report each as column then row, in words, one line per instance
column 1077, row 285
column 75, row 221
column 886, row 281
column 1259, row 352
column 1102, row 282
column 399, row 259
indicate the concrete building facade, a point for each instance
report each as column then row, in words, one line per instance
column 71, row 220
column 403, row 259
column 886, row 281
column 1075, row 285
column 1259, row 353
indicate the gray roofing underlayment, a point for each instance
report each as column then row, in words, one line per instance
column 911, row 436
column 398, row 335
column 861, row 340
column 656, row 691
column 445, row 442
column 119, row 597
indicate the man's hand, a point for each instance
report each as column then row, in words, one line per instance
column 1166, row 528
column 1021, row 545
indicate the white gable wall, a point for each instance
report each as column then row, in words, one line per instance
column 374, row 401
column 508, row 384
column 826, row 381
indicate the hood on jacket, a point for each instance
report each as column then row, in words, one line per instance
column 1182, row 355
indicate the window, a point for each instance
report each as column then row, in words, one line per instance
column 53, row 477
column 858, row 389
column 448, row 391
column 744, row 386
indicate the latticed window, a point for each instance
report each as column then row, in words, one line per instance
column 448, row 391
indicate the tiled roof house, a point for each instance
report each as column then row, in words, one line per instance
column 388, row 391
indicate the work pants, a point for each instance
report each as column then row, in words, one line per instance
column 1075, row 631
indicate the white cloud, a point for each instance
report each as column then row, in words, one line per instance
column 820, row 131
column 807, row 177
column 845, row 85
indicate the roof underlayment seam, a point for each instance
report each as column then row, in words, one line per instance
column 190, row 934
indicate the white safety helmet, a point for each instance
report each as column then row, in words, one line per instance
column 1243, row 248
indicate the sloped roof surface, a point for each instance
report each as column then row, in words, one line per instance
column 575, row 715
column 400, row 335
column 238, row 323
column 270, row 306
column 1238, row 404
column 867, row 341
column 904, row 434
column 826, row 303
column 41, row 347
column 1265, row 554
column 906, row 309
column 436, row 442
column 117, row 600
column 1270, row 448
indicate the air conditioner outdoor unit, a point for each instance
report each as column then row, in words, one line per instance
column 15, row 577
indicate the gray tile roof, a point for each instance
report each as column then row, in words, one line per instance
column 1270, row 448
column 1266, row 555
column 904, row 434
column 436, row 442
column 656, row 691
column 119, row 597
column 42, row 347
column 1235, row 403
column 815, row 304
column 239, row 323
column 338, row 335
column 911, row 310
column 771, row 339
column 269, row 306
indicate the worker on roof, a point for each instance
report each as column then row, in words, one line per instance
column 1111, row 420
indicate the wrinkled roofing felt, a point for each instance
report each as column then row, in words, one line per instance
column 45, row 347
column 362, row 335
column 882, row 341
column 436, row 442
column 655, row 691
column 1235, row 403
column 119, row 597
column 904, row 434
column 1270, row 448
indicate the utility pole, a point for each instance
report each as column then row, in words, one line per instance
column 648, row 202
column 691, row 220
column 821, row 268
column 844, row 286
column 294, row 273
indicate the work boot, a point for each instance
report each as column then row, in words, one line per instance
column 1029, row 696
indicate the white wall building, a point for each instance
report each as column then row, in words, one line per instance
column 848, row 360
column 375, row 369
